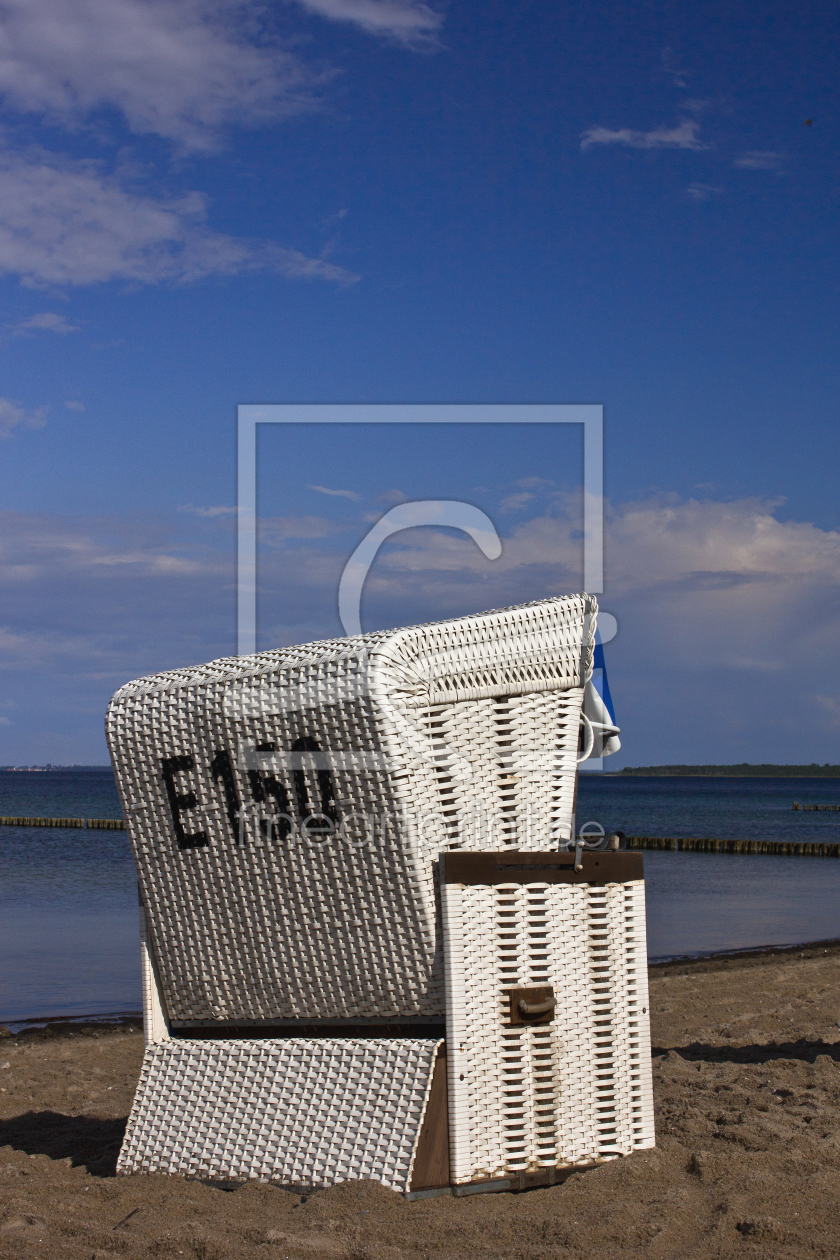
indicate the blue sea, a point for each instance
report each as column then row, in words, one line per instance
column 68, row 898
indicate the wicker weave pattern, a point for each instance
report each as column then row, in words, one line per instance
column 504, row 769
column 569, row 1092
column 304, row 1113
column 458, row 734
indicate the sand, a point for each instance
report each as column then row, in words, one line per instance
column 747, row 1089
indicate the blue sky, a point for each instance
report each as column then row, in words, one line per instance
column 206, row 203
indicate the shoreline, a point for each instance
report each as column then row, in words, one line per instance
column 757, row 953
column 701, row 962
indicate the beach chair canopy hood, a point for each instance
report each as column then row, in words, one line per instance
column 287, row 809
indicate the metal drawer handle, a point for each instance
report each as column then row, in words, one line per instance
column 536, row 1008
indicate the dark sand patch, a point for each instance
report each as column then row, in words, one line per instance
column 747, row 1085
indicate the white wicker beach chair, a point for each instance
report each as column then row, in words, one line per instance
column 287, row 813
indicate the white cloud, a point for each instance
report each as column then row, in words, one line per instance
column 208, row 511
column 73, row 404
column 708, row 554
column 759, row 160
column 39, row 549
column 38, row 650
column 831, row 706
column 730, row 571
column 182, row 69
column 274, row 530
column 682, row 136
column 656, row 549
column 46, row 321
column 515, row 502
column 14, row 414
column 408, row 21
column 702, row 192
column 65, row 222
column 534, row 483
column 343, row 494
column 670, row 65
column 187, row 70
column 729, row 616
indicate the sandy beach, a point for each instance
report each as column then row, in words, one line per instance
column 747, row 1088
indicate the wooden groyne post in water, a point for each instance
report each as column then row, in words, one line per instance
column 779, row 848
column 87, row 824
column 819, row 808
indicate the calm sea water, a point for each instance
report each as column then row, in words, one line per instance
column 68, row 899
column 720, row 809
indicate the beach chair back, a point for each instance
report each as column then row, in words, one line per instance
column 287, row 809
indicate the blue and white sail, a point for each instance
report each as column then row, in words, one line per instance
column 600, row 733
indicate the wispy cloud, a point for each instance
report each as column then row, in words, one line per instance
column 65, row 222
column 682, row 136
column 671, row 66
column 703, row 589
column 342, row 494
column 406, row 21
column 662, row 549
column 186, row 70
column 14, row 415
column 675, row 538
column 760, row 160
column 274, row 530
column 73, row 404
column 516, row 502
column 182, row 69
column 222, row 510
column 39, row 547
column 831, row 706
column 702, row 192
column 534, row 483
column 46, row 321
column 715, row 600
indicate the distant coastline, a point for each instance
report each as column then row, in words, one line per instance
column 43, row 769
column 741, row 771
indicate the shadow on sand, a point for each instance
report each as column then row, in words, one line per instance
column 805, row 1051
column 95, row 1144
column 84, row 1140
